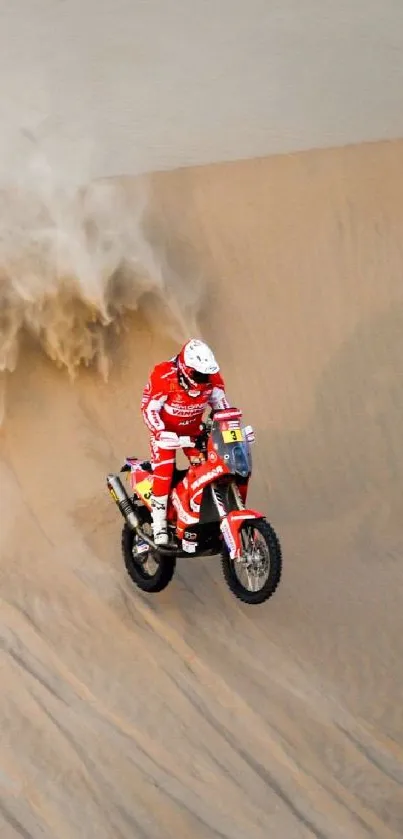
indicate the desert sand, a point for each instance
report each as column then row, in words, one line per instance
column 188, row 714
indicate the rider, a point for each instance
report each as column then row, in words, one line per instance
column 174, row 399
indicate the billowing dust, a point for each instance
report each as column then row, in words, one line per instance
column 73, row 260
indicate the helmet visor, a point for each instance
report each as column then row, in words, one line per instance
column 199, row 378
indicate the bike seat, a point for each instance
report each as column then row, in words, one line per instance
column 145, row 464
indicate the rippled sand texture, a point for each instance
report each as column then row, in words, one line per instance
column 187, row 714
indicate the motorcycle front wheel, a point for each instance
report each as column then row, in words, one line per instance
column 255, row 576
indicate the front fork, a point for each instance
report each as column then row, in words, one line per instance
column 232, row 520
column 220, row 498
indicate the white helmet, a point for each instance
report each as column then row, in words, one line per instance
column 196, row 363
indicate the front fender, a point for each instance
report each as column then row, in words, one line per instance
column 230, row 527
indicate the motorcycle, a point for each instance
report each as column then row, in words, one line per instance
column 206, row 514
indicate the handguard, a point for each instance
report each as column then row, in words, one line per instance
column 249, row 434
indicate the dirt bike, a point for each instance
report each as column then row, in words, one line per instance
column 206, row 515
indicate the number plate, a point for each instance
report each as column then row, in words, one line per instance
column 232, row 435
column 145, row 488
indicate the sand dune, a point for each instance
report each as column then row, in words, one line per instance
column 187, row 714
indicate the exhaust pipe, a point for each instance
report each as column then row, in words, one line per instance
column 122, row 500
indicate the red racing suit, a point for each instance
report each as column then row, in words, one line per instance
column 167, row 406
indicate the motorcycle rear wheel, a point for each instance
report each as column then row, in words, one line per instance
column 273, row 561
column 137, row 565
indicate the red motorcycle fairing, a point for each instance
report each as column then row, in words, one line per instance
column 184, row 499
column 230, row 528
column 186, row 496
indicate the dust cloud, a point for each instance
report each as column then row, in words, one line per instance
column 74, row 259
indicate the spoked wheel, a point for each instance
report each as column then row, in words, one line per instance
column 255, row 576
column 150, row 571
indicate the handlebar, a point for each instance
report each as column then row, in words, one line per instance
column 172, row 441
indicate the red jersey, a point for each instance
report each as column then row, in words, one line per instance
column 166, row 405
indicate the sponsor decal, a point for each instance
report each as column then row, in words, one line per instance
column 230, row 541
column 208, row 476
column 142, row 547
column 189, row 547
column 185, row 517
column 178, row 409
column 229, row 414
column 242, row 517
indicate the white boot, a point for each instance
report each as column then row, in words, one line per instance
column 159, row 517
